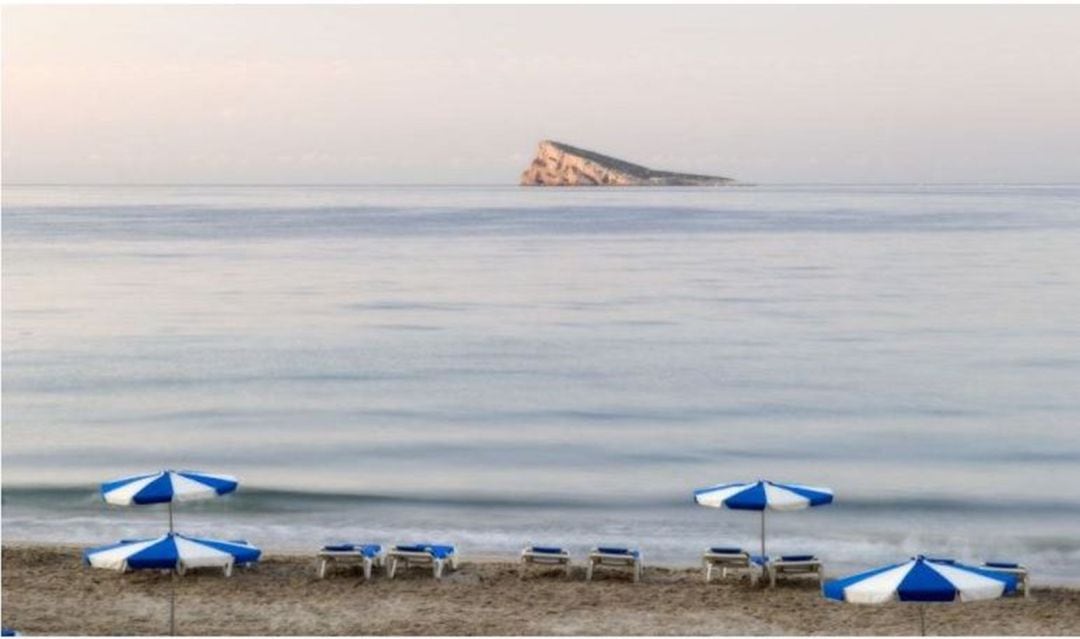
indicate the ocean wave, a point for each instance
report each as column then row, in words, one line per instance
column 269, row 500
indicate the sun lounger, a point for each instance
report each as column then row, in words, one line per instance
column 543, row 555
column 617, row 557
column 732, row 561
column 369, row 555
column 1015, row 569
column 436, row 556
column 793, row 565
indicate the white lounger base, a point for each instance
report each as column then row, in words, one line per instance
column 597, row 559
column 326, row 557
column 780, row 567
column 410, row 559
column 181, row 569
column 730, row 564
column 529, row 557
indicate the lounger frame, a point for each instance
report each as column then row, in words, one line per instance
column 616, row 560
column 779, row 566
column 412, row 558
column 327, row 557
column 182, row 568
column 531, row 557
column 730, row 563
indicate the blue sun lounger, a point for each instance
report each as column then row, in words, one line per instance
column 369, row 555
column 794, row 565
column 1011, row 568
column 435, row 555
column 543, row 555
column 615, row 556
column 732, row 561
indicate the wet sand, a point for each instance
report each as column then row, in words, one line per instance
column 46, row 590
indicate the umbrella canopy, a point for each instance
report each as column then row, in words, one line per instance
column 166, row 486
column 763, row 495
column 921, row 580
column 172, row 551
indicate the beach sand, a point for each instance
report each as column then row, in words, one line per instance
column 46, row 590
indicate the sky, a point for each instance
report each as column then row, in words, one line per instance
column 432, row 94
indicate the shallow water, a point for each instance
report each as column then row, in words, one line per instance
column 493, row 365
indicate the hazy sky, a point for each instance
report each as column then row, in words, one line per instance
column 436, row 94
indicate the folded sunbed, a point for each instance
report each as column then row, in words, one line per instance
column 369, row 555
column 793, row 565
column 1012, row 568
column 434, row 555
column 616, row 557
column 543, row 555
column 732, row 561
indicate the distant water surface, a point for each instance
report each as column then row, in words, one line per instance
column 490, row 366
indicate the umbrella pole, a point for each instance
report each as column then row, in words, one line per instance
column 170, row 516
column 922, row 619
column 172, row 603
column 762, row 533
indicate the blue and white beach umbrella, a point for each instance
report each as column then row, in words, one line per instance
column 763, row 495
column 166, row 486
column 921, row 580
column 172, row 551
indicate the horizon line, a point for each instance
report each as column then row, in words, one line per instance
column 529, row 187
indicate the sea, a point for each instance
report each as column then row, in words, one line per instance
column 497, row 366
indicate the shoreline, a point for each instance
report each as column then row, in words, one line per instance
column 43, row 584
column 496, row 557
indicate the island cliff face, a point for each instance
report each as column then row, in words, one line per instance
column 558, row 164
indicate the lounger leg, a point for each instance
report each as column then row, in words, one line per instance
column 367, row 568
column 437, row 568
column 228, row 570
column 637, row 571
column 588, row 571
column 322, row 568
column 392, row 568
column 708, row 571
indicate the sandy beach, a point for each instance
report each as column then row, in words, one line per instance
column 46, row 590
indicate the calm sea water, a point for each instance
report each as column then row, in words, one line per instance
column 490, row 366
